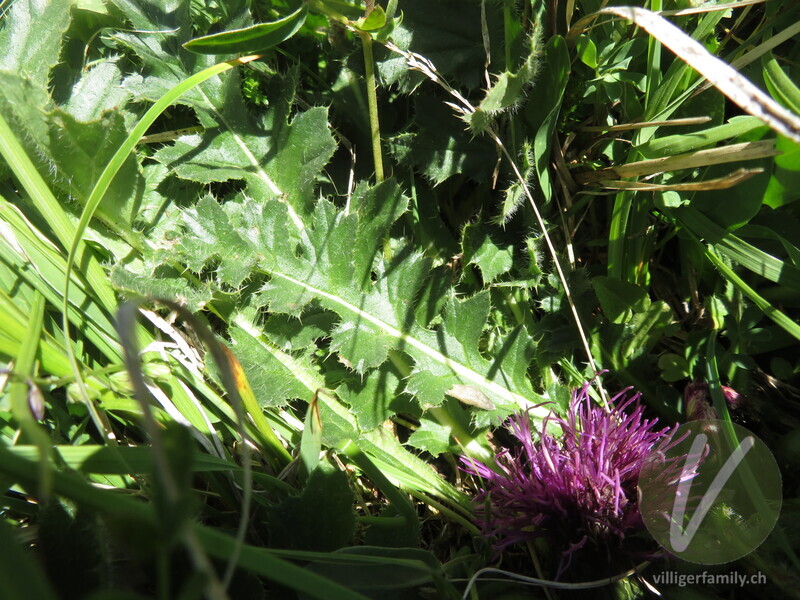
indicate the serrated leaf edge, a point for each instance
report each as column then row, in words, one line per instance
column 457, row 367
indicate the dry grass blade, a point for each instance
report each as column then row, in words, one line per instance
column 724, row 77
column 720, row 183
column 690, row 160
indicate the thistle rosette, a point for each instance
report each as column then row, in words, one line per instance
column 576, row 488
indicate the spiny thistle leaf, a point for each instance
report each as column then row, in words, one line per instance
column 346, row 263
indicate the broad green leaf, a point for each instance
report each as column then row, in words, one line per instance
column 412, row 567
column 99, row 90
column 479, row 249
column 375, row 398
column 432, row 437
column 587, row 51
column 235, row 143
column 21, row 104
column 30, row 40
column 250, row 40
column 295, row 333
column 673, row 367
column 439, row 148
column 620, row 299
column 338, row 426
column 336, row 260
column 245, row 147
column 84, row 150
column 448, row 33
column 177, row 288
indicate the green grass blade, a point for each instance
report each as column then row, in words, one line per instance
column 766, row 307
column 99, row 191
column 50, row 209
column 733, row 247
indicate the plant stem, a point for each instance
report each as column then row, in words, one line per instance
column 372, row 101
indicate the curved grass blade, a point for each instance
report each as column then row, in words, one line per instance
column 99, row 191
column 250, row 40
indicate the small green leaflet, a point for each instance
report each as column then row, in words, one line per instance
column 250, row 40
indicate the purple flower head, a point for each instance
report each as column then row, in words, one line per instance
column 574, row 488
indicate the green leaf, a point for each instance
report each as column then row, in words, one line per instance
column 250, row 40
column 479, row 249
column 21, row 104
column 375, row 398
column 151, row 286
column 273, row 382
column 507, row 91
column 784, row 185
column 587, row 51
column 407, row 568
column 320, row 519
column 440, row 148
column 246, row 147
column 449, row 34
column 99, row 90
column 620, row 299
column 235, row 143
column 673, row 367
column 288, row 332
column 30, row 41
column 432, row 437
column 779, row 84
column 543, row 114
column 374, row 20
column 339, row 260
column 84, row 150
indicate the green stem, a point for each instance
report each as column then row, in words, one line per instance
column 372, row 100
